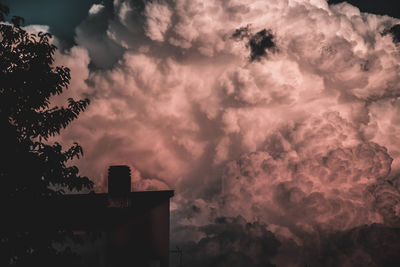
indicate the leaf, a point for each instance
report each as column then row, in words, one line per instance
column 17, row 21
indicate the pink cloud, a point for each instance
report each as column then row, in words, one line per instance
column 297, row 138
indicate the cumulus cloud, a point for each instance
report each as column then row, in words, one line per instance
column 282, row 112
column 92, row 35
column 326, row 190
column 95, row 8
column 35, row 29
column 158, row 19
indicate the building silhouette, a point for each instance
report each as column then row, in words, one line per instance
column 133, row 227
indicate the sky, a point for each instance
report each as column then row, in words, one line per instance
column 63, row 16
column 275, row 122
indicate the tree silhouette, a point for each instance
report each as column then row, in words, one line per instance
column 30, row 166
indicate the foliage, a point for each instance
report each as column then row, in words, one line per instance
column 28, row 81
column 31, row 166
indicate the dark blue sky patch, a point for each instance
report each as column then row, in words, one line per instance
column 63, row 16
column 381, row 7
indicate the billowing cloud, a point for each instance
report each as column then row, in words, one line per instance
column 281, row 112
column 327, row 189
column 158, row 19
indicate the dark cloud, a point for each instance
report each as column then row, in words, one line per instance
column 259, row 43
column 231, row 242
column 395, row 31
column 375, row 245
column 387, row 200
column 93, row 34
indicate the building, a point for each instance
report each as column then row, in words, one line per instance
column 133, row 226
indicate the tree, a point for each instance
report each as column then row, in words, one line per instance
column 31, row 166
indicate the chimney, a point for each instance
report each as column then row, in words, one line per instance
column 119, row 180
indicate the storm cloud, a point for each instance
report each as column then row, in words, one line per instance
column 281, row 112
